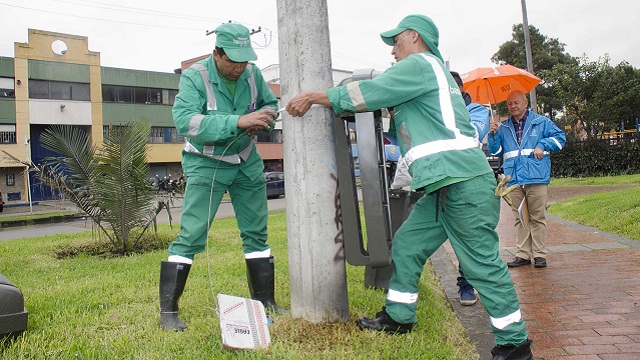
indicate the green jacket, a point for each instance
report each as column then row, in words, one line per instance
column 430, row 119
column 210, row 126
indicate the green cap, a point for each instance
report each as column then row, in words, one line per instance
column 423, row 25
column 235, row 40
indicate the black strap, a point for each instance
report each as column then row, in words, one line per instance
column 441, row 200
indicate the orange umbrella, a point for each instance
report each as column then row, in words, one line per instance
column 492, row 85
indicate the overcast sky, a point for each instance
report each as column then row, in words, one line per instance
column 158, row 35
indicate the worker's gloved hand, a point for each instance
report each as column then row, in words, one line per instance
column 257, row 120
column 502, row 190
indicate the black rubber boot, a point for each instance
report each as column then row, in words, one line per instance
column 383, row 322
column 173, row 277
column 261, row 279
column 512, row 352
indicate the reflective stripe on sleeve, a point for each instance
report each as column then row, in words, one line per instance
column 557, row 142
column 357, row 99
column 194, row 125
column 402, row 297
column 503, row 322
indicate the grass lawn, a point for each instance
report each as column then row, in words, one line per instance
column 87, row 307
column 616, row 211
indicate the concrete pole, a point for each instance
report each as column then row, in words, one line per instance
column 527, row 46
column 316, row 252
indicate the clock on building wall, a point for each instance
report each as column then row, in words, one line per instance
column 59, row 47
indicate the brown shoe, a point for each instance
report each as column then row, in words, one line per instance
column 540, row 262
column 518, row 261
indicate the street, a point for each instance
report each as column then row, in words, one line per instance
column 19, row 232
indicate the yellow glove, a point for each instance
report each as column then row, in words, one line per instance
column 503, row 180
column 501, row 191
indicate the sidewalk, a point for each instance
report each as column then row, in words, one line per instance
column 584, row 305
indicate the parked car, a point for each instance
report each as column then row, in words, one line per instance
column 1, row 202
column 275, row 184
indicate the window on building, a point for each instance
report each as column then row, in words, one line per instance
column 58, row 90
column 124, row 94
column 7, row 88
column 7, row 134
column 147, row 96
column 172, row 96
column 108, row 93
column 11, row 180
column 156, row 135
column 39, row 89
column 175, row 137
column 155, row 96
column 80, row 92
column 113, row 93
column 7, row 93
column 108, row 128
column 138, row 95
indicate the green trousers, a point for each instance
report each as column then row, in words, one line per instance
column 249, row 200
column 469, row 218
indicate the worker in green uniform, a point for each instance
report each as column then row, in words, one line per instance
column 222, row 101
column 442, row 156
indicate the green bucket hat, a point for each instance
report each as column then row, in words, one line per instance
column 235, row 40
column 423, row 25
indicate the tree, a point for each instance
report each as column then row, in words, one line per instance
column 546, row 53
column 597, row 96
column 110, row 184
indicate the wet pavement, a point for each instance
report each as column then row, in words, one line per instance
column 584, row 305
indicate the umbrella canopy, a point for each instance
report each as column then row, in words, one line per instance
column 492, row 85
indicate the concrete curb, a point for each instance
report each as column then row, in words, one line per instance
column 474, row 318
column 40, row 221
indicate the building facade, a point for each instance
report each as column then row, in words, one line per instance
column 55, row 79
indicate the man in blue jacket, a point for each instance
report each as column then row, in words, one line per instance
column 525, row 140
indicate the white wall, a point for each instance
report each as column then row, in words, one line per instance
column 65, row 112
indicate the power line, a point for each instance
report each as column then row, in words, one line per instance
column 99, row 19
column 134, row 10
column 267, row 43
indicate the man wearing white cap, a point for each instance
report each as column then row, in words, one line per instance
column 442, row 156
column 222, row 101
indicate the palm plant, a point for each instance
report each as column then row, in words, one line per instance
column 109, row 183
